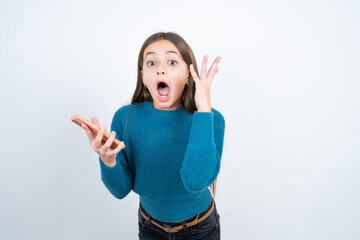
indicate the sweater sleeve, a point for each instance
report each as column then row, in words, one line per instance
column 119, row 179
column 201, row 163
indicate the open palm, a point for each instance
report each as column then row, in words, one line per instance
column 203, row 84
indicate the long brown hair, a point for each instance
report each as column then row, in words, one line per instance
column 142, row 94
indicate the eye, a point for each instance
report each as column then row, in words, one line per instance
column 149, row 62
column 173, row 61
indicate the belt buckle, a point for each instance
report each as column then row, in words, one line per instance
column 169, row 229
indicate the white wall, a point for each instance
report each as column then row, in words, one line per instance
column 288, row 87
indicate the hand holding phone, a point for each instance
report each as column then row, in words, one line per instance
column 78, row 119
column 100, row 140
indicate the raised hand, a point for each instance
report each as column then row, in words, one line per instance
column 203, row 84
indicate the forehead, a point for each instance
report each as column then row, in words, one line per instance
column 161, row 47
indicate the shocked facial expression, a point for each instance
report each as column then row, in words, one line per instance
column 165, row 74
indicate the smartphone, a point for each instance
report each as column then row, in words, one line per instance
column 78, row 119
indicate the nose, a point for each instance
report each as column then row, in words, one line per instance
column 161, row 69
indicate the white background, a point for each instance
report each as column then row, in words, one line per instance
column 288, row 87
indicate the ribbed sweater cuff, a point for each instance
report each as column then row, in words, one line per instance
column 106, row 171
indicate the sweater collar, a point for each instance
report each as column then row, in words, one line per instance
column 149, row 107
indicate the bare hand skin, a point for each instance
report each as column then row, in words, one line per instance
column 203, row 84
column 107, row 155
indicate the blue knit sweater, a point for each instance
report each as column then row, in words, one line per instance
column 170, row 159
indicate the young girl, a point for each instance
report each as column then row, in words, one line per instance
column 174, row 142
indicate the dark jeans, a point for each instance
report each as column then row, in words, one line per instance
column 208, row 229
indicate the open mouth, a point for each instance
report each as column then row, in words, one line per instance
column 163, row 90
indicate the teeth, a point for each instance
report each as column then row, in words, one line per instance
column 163, row 97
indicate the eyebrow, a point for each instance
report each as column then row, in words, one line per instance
column 166, row 53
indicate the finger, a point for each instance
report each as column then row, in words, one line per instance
column 204, row 67
column 110, row 139
column 214, row 69
column 211, row 77
column 193, row 73
column 214, row 65
column 89, row 132
column 98, row 139
column 118, row 148
column 95, row 121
